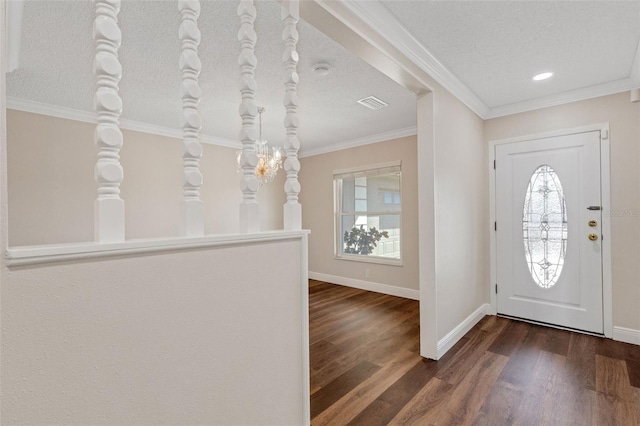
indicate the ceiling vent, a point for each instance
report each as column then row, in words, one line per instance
column 373, row 102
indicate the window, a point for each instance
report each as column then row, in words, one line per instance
column 544, row 226
column 368, row 211
column 391, row 197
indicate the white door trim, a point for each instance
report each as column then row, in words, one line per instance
column 605, row 170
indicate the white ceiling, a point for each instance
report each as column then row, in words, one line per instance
column 496, row 47
column 492, row 48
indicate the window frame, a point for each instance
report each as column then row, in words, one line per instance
column 338, row 178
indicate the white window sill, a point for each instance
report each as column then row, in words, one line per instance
column 370, row 259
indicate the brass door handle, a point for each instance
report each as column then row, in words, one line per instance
column 593, row 237
column 593, row 223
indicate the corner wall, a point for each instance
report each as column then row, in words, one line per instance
column 624, row 127
column 461, row 218
column 316, row 179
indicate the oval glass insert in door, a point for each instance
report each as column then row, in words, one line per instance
column 544, row 227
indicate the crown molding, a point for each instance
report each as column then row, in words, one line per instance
column 379, row 19
column 564, row 98
column 14, row 9
column 635, row 69
column 137, row 126
column 26, row 105
column 352, row 143
column 91, row 117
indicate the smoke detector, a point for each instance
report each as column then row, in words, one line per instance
column 322, row 68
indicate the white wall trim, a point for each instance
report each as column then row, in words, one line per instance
column 427, row 250
column 493, row 257
column 391, row 290
column 549, row 134
column 348, row 170
column 380, row 137
column 374, row 14
column 33, row 255
column 635, row 69
column 304, row 293
column 461, row 329
column 378, row 17
column 582, row 94
column 380, row 20
column 626, row 335
column 605, row 167
column 4, row 229
column 91, row 117
column 26, row 105
column 605, row 196
column 14, row 13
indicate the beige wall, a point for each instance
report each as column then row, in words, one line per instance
column 461, row 212
column 181, row 337
column 624, row 121
column 316, row 197
column 52, row 189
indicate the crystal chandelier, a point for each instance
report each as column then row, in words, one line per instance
column 269, row 158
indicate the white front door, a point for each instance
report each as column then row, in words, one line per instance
column 548, row 231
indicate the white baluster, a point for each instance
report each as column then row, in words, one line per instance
column 192, row 223
column 109, row 207
column 292, row 208
column 249, row 208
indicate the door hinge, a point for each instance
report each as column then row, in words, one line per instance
column 496, row 288
column 494, row 164
column 495, row 226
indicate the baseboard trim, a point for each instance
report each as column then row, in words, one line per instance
column 626, row 335
column 461, row 329
column 391, row 290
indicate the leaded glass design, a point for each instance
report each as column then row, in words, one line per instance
column 544, row 227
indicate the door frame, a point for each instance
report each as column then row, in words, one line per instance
column 605, row 183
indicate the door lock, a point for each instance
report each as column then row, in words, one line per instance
column 593, row 237
column 593, row 223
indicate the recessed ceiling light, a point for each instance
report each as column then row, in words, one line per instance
column 543, row 76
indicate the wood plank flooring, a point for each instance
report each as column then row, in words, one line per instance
column 366, row 370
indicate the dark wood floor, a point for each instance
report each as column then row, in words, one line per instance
column 366, row 370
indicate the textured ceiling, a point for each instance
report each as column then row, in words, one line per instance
column 493, row 47
column 56, row 68
column 496, row 47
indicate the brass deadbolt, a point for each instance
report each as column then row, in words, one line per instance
column 593, row 223
column 593, row 237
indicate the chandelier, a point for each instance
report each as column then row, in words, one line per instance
column 269, row 158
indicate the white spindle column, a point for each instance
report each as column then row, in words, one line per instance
column 192, row 223
column 249, row 208
column 292, row 208
column 109, row 207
